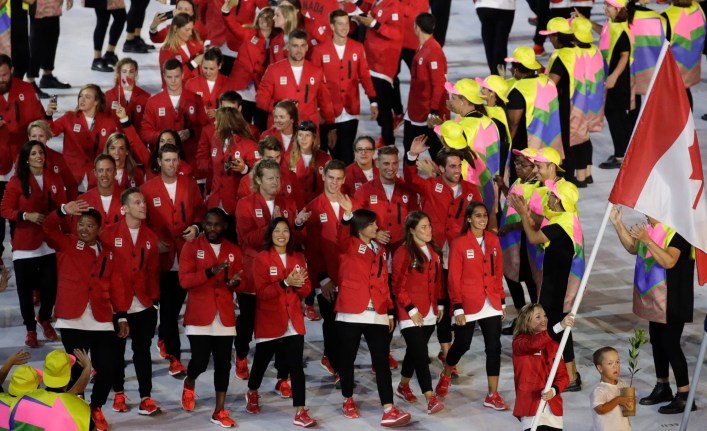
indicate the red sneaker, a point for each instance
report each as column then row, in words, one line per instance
column 98, row 419
column 242, row 368
column 495, row 402
column 311, row 314
column 223, row 419
column 148, row 407
column 405, row 393
column 119, row 404
column 434, row 405
column 160, row 347
column 283, row 388
column 302, row 419
column 395, row 418
column 49, row 332
column 350, row 409
column 455, row 373
column 443, row 385
column 398, row 119
column 379, row 143
column 327, row 365
column 31, row 339
column 188, row 399
column 176, row 369
column 539, row 50
column 252, row 406
column 392, row 363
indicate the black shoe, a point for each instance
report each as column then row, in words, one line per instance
column 41, row 94
column 704, row 117
column 100, row 65
column 134, row 47
column 589, row 180
column 144, row 44
column 533, row 20
column 110, row 58
column 661, row 393
column 50, row 81
column 508, row 330
column 576, row 385
column 581, row 184
column 611, row 163
column 677, row 405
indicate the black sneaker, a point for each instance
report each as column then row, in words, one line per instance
column 533, row 20
column 576, row 385
column 661, row 393
column 611, row 163
column 41, row 94
column 704, row 117
column 134, row 47
column 50, row 81
column 100, row 65
column 508, row 330
column 677, row 405
column 589, row 180
column 144, row 44
column 110, row 58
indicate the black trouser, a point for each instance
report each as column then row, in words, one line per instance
column 517, row 293
column 495, row 27
column 553, row 304
column 378, row 340
column 44, row 39
column 136, row 15
column 227, row 65
column 667, row 352
column 331, row 341
column 411, row 131
column 345, row 137
column 245, row 324
column 205, row 346
column 142, row 328
column 116, row 29
column 100, row 344
column 441, row 10
column 406, row 55
column 248, row 110
column 542, row 10
column 385, row 94
column 491, row 330
column 36, row 273
column 416, row 359
column 290, row 349
column 444, row 326
column 582, row 154
column 619, row 125
column 172, row 298
column 19, row 39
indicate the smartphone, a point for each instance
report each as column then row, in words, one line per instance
column 169, row 15
column 53, row 98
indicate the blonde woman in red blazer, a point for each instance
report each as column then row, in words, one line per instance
column 417, row 286
column 210, row 269
column 31, row 194
column 281, row 282
column 184, row 44
column 307, row 160
column 475, row 285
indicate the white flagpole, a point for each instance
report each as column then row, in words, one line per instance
column 695, row 379
column 575, row 307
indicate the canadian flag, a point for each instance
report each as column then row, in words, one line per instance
column 661, row 174
column 126, row 81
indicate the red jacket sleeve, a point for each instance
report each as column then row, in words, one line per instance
column 438, row 76
column 137, row 148
column 189, row 275
column 149, row 131
column 401, row 269
column 11, row 199
column 454, row 278
column 263, row 98
column 326, row 106
column 412, row 178
column 160, row 35
column 364, row 73
column 55, row 238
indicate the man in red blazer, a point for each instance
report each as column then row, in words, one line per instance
column 427, row 98
column 174, row 108
column 174, row 210
column 136, row 251
column 210, row 84
column 105, row 197
column 297, row 79
column 343, row 61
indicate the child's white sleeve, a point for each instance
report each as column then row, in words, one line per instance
column 598, row 397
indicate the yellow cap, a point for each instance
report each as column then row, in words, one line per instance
column 525, row 56
column 496, row 84
column 468, row 88
column 566, row 192
column 25, row 379
column 557, row 25
column 549, row 155
column 582, row 29
column 529, row 153
column 57, row 369
column 453, row 134
column 617, row 3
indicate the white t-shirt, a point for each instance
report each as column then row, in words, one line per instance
column 271, row 206
column 128, row 94
column 306, row 159
column 175, row 101
column 211, row 85
column 171, row 190
column 119, row 174
column 106, row 200
column 368, row 173
column 297, row 71
column 40, row 181
column 389, row 190
column 614, row 420
column 286, row 140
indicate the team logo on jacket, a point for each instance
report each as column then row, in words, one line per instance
column 77, row 128
column 162, row 112
column 355, row 57
column 200, row 254
column 420, row 61
column 256, row 154
column 237, row 154
column 494, row 252
column 284, row 214
column 191, row 110
column 56, row 169
column 200, row 93
column 470, row 254
column 362, row 248
column 283, row 80
column 132, row 183
column 80, row 245
column 276, row 49
column 259, row 213
column 231, row 258
column 326, row 58
column 439, row 187
column 138, row 108
column 321, row 170
column 380, row 13
column 156, row 202
column 103, row 132
column 53, row 189
column 469, row 197
column 374, row 199
column 273, row 270
column 214, row 152
column 254, row 40
column 119, row 242
column 323, row 218
column 357, row 185
column 110, row 255
column 114, row 105
column 405, row 199
column 433, row 65
column 22, row 97
column 289, row 189
column 394, row 16
column 311, row 80
column 322, row 29
column 147, row 245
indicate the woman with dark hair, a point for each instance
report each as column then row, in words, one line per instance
column 281, row 282
column 167, row 136
column 307, row 160
column 85, row 130
column 475, row 285
column 285, row 119
column 419, row 295
column 494, row 90
column 363, row 307
column 183, row 44
column 31, row 194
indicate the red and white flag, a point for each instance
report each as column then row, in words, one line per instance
column 661, row 174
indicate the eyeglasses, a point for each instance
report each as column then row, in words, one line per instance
column 364, row 150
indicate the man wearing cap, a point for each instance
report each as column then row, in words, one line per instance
column 494, row 90
column 427, row 98
column 533, row 117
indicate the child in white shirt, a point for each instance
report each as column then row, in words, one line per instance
column 606, row 399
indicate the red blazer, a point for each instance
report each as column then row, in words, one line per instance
column 415, row 289
column 199, row 86
column 160, row 35
column 138, row 263
column 208, row 295
column 137, row 180
column 194, row 48
column 184, row 169
column 168, row 219
column 160, row 115
column 365, row 278
column 224, row 184
column 343, row 76
column 135, row 107
column 252, row 219
column 318, row 34
column 355, row 178
column 28, row 235
column 384, row 42
column 243, row 13
column 410, row 9
column 54, row 161
column 21, row 108
column 474, row 276
column 272, row 131
column 446, row 212
column 311, row 94
column 93, row 199
column 289, row 189
column 319, row 11
column 82, row 145
column 276, row 303
column 84, row 277
column 532, row 361
column 252, row 58
column 427, row 77
column 309, row 180
column 391, row 215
